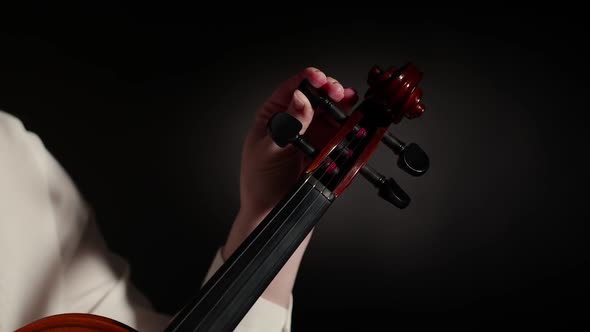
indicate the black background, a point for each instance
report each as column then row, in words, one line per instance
column 147, row 110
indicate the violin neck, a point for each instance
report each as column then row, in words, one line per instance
column 230, row 293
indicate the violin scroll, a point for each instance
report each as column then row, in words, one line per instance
column 396, row 91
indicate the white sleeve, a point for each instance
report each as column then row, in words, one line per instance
column 53, row 258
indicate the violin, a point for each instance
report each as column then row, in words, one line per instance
column 228, row 295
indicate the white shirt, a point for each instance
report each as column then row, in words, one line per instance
column 54, row 260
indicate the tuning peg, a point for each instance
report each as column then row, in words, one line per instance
column 389, row 190
column 284, row 129
column 412, row 159
column 317, row 100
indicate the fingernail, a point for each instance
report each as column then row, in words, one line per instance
column 352, row 92
column 298, row 101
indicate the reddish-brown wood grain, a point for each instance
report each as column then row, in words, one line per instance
column 352, row 121
column 360, row 161
column 76, row 322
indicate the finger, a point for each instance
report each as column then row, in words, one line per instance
column 348, row 101
column 333, row 89
column 283, row 94
column 301, row 109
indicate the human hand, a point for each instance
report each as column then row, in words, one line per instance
column 268, row 172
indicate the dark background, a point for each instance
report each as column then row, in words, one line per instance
column 147, row 110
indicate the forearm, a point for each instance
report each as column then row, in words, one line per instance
column 280, row 289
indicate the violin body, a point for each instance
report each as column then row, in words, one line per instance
column 230, row 293
column 76, row 323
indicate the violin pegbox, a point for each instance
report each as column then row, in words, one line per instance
column 392, row 94
column 396, row 91
column 411, row 158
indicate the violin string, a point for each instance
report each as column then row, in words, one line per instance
column 319, row 168
column 340, row 154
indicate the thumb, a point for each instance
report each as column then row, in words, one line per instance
column 301, row 109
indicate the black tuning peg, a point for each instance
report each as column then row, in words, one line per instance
column 284, row 130
column 412, row 159
column 389, row 190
